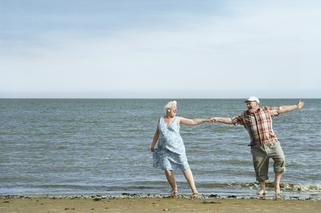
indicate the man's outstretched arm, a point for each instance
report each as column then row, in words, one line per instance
column 289, row 108
column 225, row 120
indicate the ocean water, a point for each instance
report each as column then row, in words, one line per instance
column 100, row 146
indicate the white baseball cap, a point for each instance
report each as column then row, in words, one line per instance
column 252, row 98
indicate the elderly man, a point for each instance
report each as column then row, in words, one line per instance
column 264, row 143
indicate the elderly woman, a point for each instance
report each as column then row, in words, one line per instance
column 170, row 154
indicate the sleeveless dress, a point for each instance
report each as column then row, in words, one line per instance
column 170, row 150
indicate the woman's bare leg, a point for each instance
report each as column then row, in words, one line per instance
column 190, row 180
column 172, row 182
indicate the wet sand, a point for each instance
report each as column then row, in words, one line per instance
column 138, row 205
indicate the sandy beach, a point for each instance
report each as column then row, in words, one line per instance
column 135, row 205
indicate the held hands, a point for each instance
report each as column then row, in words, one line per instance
column 300, row 104
column 213, row 120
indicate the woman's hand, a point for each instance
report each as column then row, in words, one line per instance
column 151, row 148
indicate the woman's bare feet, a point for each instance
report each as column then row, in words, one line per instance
column 174, row 193
column 261, row 192
column 195, row 194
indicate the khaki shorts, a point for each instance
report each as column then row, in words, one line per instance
column 261, row 154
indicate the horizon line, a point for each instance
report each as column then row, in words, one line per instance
column 152, row 98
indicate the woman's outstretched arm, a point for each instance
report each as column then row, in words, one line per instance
column 194, row 121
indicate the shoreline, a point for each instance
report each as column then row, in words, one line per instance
column 134, row 204
column 98, row 197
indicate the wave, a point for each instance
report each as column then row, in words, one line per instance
column 284, row 186
column 208, row 185
column 300, row 187
column 158, row 187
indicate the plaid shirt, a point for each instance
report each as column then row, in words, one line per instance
column 258, row 124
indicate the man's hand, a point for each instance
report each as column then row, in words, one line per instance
column 300, row 104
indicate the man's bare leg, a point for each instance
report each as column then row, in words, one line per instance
column 277, row 180
column 262, row 191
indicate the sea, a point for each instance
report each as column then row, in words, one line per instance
column 72, row 147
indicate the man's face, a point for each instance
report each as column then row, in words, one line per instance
column 251, row 104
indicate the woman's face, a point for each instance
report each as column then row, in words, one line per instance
column 171, row 112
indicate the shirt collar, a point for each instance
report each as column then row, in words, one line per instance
column 251, row 113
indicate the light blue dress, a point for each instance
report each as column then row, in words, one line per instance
column 170, row 150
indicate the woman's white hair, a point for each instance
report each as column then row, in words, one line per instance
column 170, row 105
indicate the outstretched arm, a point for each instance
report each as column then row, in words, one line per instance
column 155, row 138
column 223, row 120
column 288, row 108
column 194, row 121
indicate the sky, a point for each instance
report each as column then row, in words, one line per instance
column 160, row 49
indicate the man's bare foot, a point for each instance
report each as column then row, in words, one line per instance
column 277, row 195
